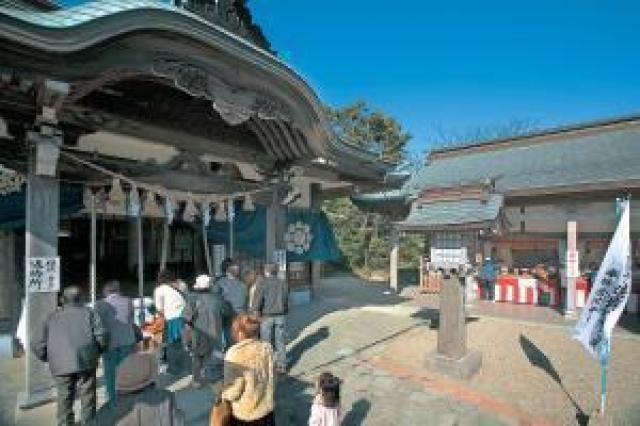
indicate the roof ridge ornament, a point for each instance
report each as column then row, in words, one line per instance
column 233, row 15
column 235, row 105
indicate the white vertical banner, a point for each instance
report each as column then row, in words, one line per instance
column 610, row 291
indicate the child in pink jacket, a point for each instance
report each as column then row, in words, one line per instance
column 325, row 410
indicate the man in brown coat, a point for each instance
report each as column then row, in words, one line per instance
column 139, row 402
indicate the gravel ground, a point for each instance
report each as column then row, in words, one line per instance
column 376, row 342
column 540, row 370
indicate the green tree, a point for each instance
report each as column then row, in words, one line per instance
column 374, row 130
column 364, row 238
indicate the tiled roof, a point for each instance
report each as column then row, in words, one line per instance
column 605, row 156
column 438, row 215
column 79, row 14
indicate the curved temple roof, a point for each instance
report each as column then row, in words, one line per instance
column 244, row 82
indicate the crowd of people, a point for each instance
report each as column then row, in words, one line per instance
column 227, row 325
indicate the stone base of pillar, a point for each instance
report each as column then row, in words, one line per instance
column 36, row 399
column 463, row 368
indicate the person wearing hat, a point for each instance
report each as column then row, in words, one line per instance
column 71, row 341
column 205, row 312
column 139, row 402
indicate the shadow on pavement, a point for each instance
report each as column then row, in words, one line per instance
column 358, row 413
column 293, row 401
column 537, row 358
column 361, row 349
column 630, row 322
column 307, row 343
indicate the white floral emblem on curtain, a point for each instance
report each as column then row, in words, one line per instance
column 298, row 237
column 10, row 181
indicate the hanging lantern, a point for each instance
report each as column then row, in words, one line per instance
column 151, row 207
column 220, row 213
column 169, row 209
column 134, row 202
column 190, row 212
column 248, row 205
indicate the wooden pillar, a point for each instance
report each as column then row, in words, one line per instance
column 270, row 239
column 140, row 245
column 132, row 243
column 165, row 244
column 572, row 269
column 276, row 226
column 9, row 298
column 41, row 240
column 92, row 262
column 316, row 265
column 393, row 259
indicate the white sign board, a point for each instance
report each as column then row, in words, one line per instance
column 280, row 259
column 43, row 274
column 448, row 258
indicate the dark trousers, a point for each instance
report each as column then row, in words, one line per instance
column 66, row 385
column 488, row 289
column 110, row 361
column 268, row 420
column 199, row 361
column 177, row 359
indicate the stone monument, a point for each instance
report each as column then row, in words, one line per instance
column 452, row 357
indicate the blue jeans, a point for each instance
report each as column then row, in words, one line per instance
column 111, row 359
column 273, row 331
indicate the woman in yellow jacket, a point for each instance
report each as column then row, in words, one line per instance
column 249, row 375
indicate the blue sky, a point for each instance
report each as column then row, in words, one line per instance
column 462, row 64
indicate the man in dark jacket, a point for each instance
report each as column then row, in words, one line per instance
column 116, row 314
column 139, row 402
column 205, row 312
column 271, row 303
column 235, row 293
column 71, row 341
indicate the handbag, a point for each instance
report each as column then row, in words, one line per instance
column 221, row 414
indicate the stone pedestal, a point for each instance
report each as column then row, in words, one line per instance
column 452, row 357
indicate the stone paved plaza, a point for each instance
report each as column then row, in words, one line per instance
column 376, row 342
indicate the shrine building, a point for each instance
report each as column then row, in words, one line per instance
column 527, row 202
column 139, row 135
